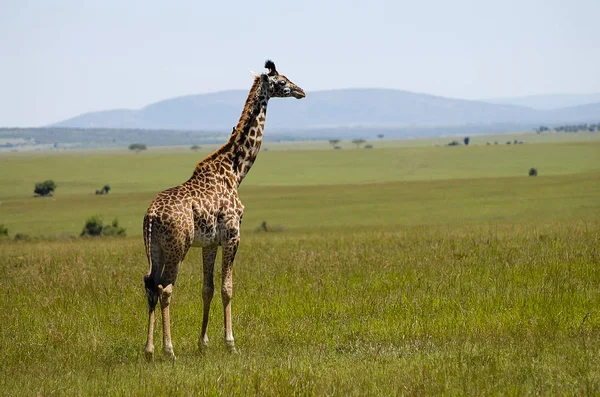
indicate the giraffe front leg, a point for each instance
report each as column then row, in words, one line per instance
column 208, row 288
column 165, row 299
column 229, row 251
column 149, row 349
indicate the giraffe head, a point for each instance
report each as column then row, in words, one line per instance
column 278, row 85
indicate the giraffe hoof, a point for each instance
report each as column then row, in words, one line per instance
column 231, row 346
column 202, row 345
column 168, row 351
column 149, row 354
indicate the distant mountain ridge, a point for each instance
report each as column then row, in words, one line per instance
column 352, row 107
column 548, row 101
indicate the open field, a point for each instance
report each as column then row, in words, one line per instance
column 411, row 184
column 407, row 270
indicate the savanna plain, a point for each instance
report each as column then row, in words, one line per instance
column 406, row 269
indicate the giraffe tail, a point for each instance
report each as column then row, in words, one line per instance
column 150, row 279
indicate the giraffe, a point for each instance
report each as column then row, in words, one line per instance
column 206, row 211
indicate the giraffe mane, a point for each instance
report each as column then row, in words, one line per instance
column 249, row 105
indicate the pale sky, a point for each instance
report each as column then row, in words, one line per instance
column 61, row 58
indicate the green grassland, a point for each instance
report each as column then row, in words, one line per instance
column 407, row 269
column 399, row 185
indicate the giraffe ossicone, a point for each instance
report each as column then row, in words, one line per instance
column 206, row 211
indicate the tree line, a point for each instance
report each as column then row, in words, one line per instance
column 585, row 127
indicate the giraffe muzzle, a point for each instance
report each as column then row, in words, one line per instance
column 298, row 94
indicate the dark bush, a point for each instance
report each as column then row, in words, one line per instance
column 45, row 188
column 3, row 231
column 94, row 227
column 113, row 229
column 105, row 189
column 533, row 172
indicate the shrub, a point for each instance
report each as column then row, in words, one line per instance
column 45, row 188
column 113, row 229
column 94, row 227
column 533, row 172
column 105, row 189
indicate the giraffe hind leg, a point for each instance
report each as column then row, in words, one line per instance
column 152, row 295
column 151, row 281
column 151, row 292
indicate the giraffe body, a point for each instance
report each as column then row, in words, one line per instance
column 206, row 212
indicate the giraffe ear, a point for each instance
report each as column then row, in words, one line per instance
column 254, row 74
column 271, row 66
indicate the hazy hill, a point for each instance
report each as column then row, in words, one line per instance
column 548, row 102
column 329, row 109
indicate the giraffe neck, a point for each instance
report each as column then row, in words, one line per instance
column 235, row 158
column 246, row 138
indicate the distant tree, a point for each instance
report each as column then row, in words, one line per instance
column 334, row 142
column 380, row 136
column 358, row 142
column 45, row 188
column 137, row 147
column 508, row 142
column 454, row 143
column 368, row 146
column 533, row 172
column 466, row 140
column 195, row 148
column 337, row 147
column 516, row 142
column 495, row 142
